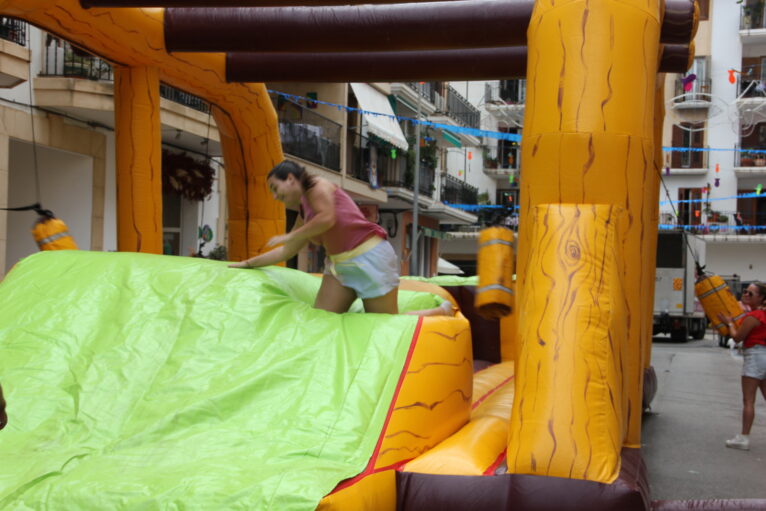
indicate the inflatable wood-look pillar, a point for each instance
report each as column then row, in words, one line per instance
column 138, row 150
column 589, row 138
column 651, row 222
column 253, row 215
column 569, row 417
column 134, row 38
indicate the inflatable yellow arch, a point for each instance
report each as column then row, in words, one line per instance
column 133, row 40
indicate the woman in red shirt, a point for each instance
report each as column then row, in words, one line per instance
column 752, row 334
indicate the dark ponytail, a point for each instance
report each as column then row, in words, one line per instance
column 287, row 167
column 761, row 291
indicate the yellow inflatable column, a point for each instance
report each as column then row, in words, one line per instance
column 138, row 146
column 589, row 135
column 568, row 416
column 253, row 214
column 650, row 219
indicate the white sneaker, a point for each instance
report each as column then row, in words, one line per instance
column 739, row 442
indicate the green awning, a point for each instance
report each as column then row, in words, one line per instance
column 452, row 139
column 433, row 233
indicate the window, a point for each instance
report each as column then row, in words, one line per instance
column 171, row 224
column 690, row 212
column 689, row 135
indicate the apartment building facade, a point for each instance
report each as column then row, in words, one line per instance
column 712, row 188
column 57, row 103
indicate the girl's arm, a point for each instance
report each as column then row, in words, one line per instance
column 274, row 256
column 740, row 333
column 322, row 200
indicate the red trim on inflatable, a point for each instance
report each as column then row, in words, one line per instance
column 490, row 392
column 369, row 468
column 491, row 469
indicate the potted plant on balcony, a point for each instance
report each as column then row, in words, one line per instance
column 746, row 159
column 759, row 160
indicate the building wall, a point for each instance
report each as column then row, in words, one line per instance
column 746, row 260
column 65, row 188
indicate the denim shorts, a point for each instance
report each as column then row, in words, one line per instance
column 755, row 362
column 371, row 274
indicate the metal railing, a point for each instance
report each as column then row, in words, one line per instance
column 13, row 30
column 455, row 191
column 462, row 111
column 427, row 90
column 691, row 159
column 745, row 158
column 307, row 134
column 699, row 92
column 370, row 161
column 184, row 98
column 399, row 176
column 752, row 17
column 751, row 89
column 720, row 222
column 64, row 59
column 509, row 92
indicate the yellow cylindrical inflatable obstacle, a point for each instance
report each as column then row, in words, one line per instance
column 52, row 233
column 716, row 297
column 494, row 296
column 573, row 416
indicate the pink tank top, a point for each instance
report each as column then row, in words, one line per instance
column 351, row 227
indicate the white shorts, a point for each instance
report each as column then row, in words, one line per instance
column 371, row 274
column 755, row 362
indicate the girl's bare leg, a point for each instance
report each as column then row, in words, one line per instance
column 749, row 391
column 386, row 304
column 333, row 296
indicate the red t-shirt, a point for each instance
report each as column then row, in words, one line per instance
column 758, row 334
column 351, row 227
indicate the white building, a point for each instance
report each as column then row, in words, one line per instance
column 721, row 119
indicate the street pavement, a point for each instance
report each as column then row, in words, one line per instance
column 697, row 407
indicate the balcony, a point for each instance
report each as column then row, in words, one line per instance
column 407, row 94
column 14, row 57
column 362, row 152
column 752, row 23
column 691, row 162
column 307, row 134
column 81, row 85
column 698, row 97
column 455, row 191
column 505, row 100
column 453, row 109
column 506, row 164
column 749, row 162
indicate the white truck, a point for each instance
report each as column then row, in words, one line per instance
column 676, row 310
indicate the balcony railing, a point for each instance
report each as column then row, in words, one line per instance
column 13, row 30
column 752, row 16
column 427, row 90
column 691, row 159
column 63, row 59
column 184, row 98
column 745, row 158
column 370, row 160
column 720, row 222
column 307, row 134
column 700, row 91
column 456, row 191
column 751, row 89
column 459, row 109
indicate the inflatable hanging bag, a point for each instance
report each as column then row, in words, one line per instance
column 716, row 297
column 52, row 233
column 494, row 296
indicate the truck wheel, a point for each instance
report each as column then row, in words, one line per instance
column 698, row 329
column 679, row 334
